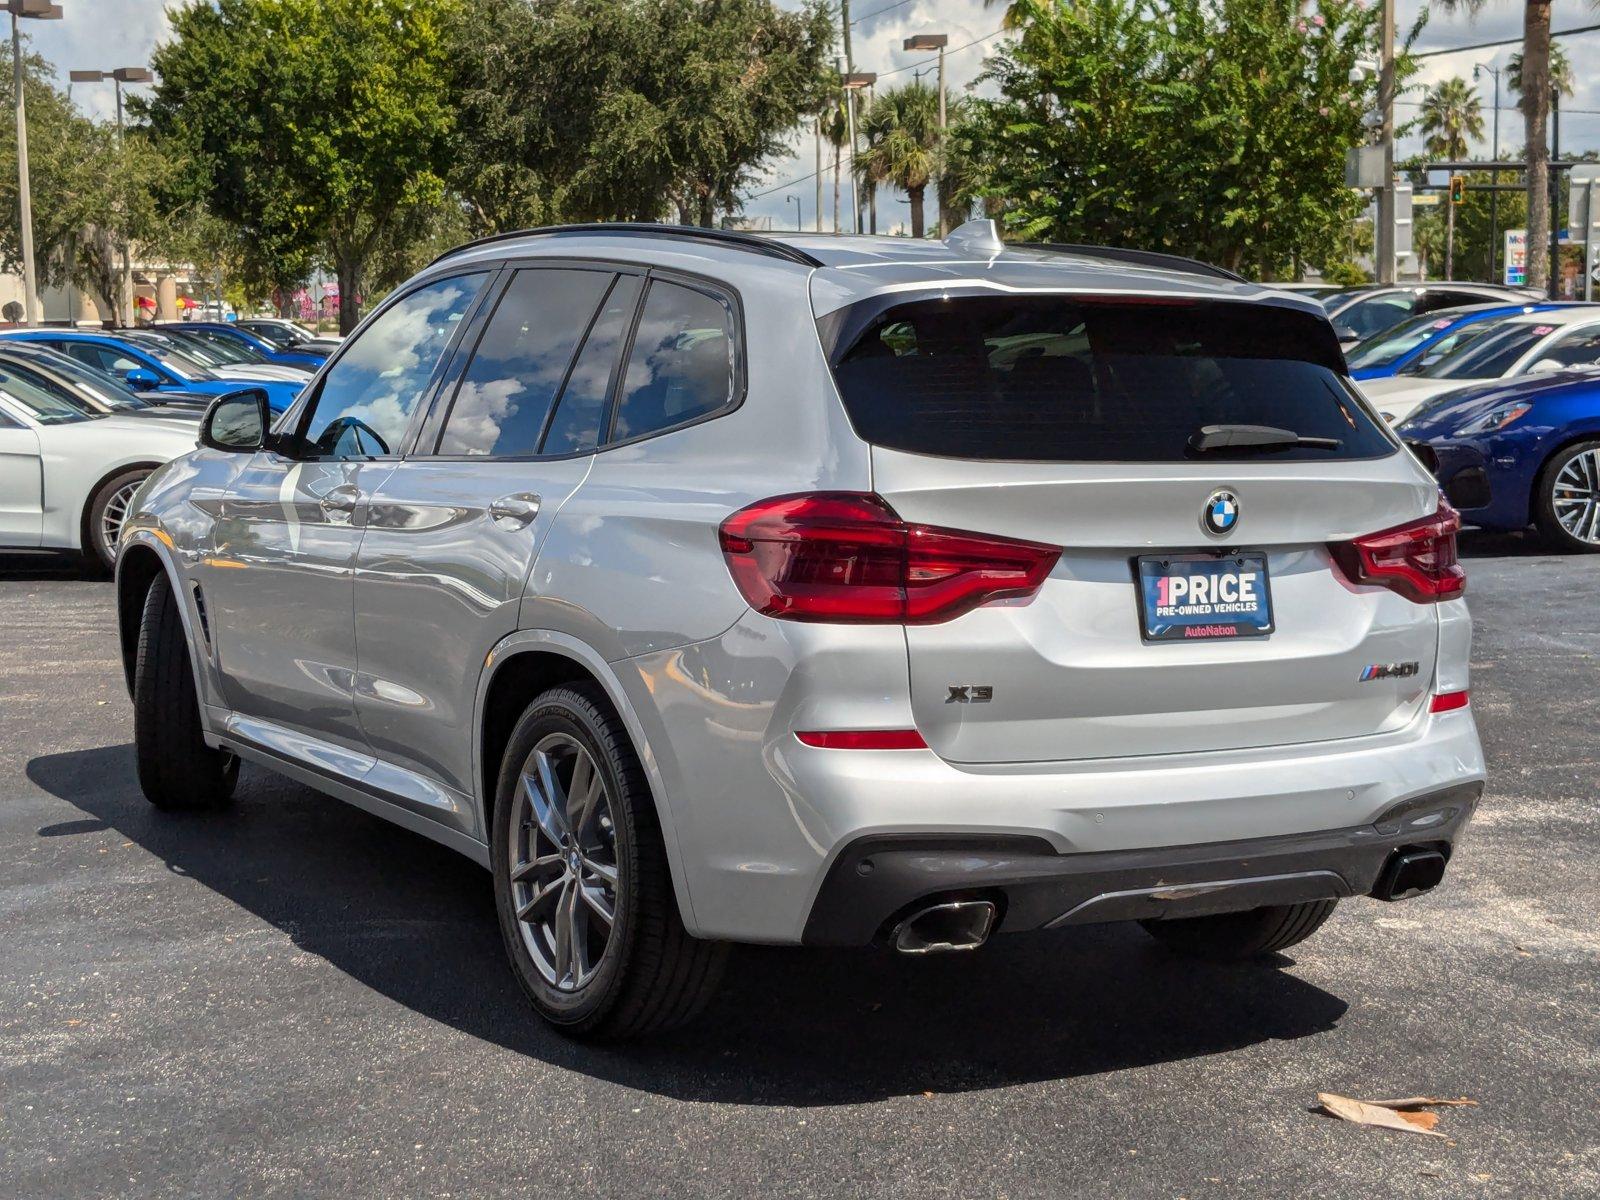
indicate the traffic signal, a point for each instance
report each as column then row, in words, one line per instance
column 1458, row 189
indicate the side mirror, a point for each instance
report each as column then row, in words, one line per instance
column 236, row 423
column 1545, row 365
column 1346, row 334
column 139, row 377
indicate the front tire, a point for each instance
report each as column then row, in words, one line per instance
column 177, row 770
column 106, row 511
column 1568, row 503
column 582, row 887
column 1235, row 937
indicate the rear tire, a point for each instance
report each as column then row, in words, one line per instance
column 641, row 972
column 177, row 770
column 106, row 511
column 1574, row 473
column 1234, row 937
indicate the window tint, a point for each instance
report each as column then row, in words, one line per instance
column 1394, row 344
column 1367, row 317
column 576, row 425
column 1058, row 379
column 681, row 365
column 506, row 393
column 1491, row 355
column 1574, row 350
column 367, row 397
column 47, row 408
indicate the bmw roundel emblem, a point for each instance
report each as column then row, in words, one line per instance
column 1220, row 516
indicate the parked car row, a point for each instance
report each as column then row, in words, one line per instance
column 1500, row 400
column 86, row 416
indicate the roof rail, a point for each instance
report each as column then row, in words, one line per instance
column 1143, row 258
column 731, row 238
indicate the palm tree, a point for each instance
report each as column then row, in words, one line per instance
column 902, row 144
column 1560, row 72
column 836, row 128
column 1451, row 118
column 1535, row 72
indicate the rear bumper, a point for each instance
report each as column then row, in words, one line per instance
column 875, row 881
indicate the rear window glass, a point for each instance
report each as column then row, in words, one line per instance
column 1062, row 379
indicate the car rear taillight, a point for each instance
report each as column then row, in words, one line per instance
column 1418, row 559
column 1448, row 702
column 847, row 557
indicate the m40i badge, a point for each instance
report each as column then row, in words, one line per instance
column 1400, row 670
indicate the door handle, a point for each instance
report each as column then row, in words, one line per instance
column 516, row 511
column 339, row 505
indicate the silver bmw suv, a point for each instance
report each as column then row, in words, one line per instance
column 712, row 588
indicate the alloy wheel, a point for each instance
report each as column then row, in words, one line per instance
column 115, row 513
column 564, row 878
column 1575, row 496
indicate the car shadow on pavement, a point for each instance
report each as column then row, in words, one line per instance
column 791, row 1026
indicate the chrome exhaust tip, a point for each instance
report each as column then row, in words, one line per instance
column 946, row 928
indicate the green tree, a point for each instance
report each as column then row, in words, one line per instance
column 1533, row 76
column 902, row 136
column 1560, row 73
column 313, row 124
column 836, row 129
column 1209, row 127
column 1451, row 120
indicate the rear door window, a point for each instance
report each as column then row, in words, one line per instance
column 582, row 408
column 1063, row 379
column 506, row 394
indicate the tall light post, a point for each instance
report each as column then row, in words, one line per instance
column 854, row 82
column 936, row 41
column 118, row 77
column 817, row 212
column 41, row 10
column 1386, row 194
column 1494, row 196
column 799, row 216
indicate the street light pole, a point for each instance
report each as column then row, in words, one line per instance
column 799, row 214
column 44, row 11
column 1386, row 193
column 854, row 81
column 1494, row 196
column 936, row 41
column 118, row 77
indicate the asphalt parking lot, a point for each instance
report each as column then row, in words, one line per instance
column 292, row 997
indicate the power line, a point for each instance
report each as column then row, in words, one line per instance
column 844, row 161
column 878, row 11
column 1559, row 33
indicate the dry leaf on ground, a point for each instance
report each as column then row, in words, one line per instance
column 1386, row 1114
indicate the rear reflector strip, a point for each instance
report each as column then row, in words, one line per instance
column 864, row 739
column 1448, row 702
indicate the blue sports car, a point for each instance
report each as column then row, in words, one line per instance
column 225, row 332
column 1511, row 454
column 1426, row 337
column 150, row 366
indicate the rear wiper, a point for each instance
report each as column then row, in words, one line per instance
column 1254, row 437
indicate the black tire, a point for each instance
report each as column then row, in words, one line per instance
column 177, row 770
column 1232, row 937
column 1545, row 498
column 98, row 549
column 651, row 974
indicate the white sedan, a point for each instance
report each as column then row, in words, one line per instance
column 1552, row 340
column 68, row 473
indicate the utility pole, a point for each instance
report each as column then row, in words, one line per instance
column 1494, row 196
column 818, row 210
column 1386, row 193
column 1555, row 191
column 850, row 109
column 44, row 11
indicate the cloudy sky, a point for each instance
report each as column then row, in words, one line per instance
column 112, row 33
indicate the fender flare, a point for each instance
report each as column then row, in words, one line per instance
column 159, row 542
column 525, row 641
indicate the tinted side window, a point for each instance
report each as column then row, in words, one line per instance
column 1575, row 350
column 367, row 397
column 681, row 365
column 517, row 369
column 576, row 425
column 1367, row 317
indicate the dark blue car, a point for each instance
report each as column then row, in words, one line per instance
column 223, row 331
column 147, row 367
column 1429, row 336
column 1511, row 454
